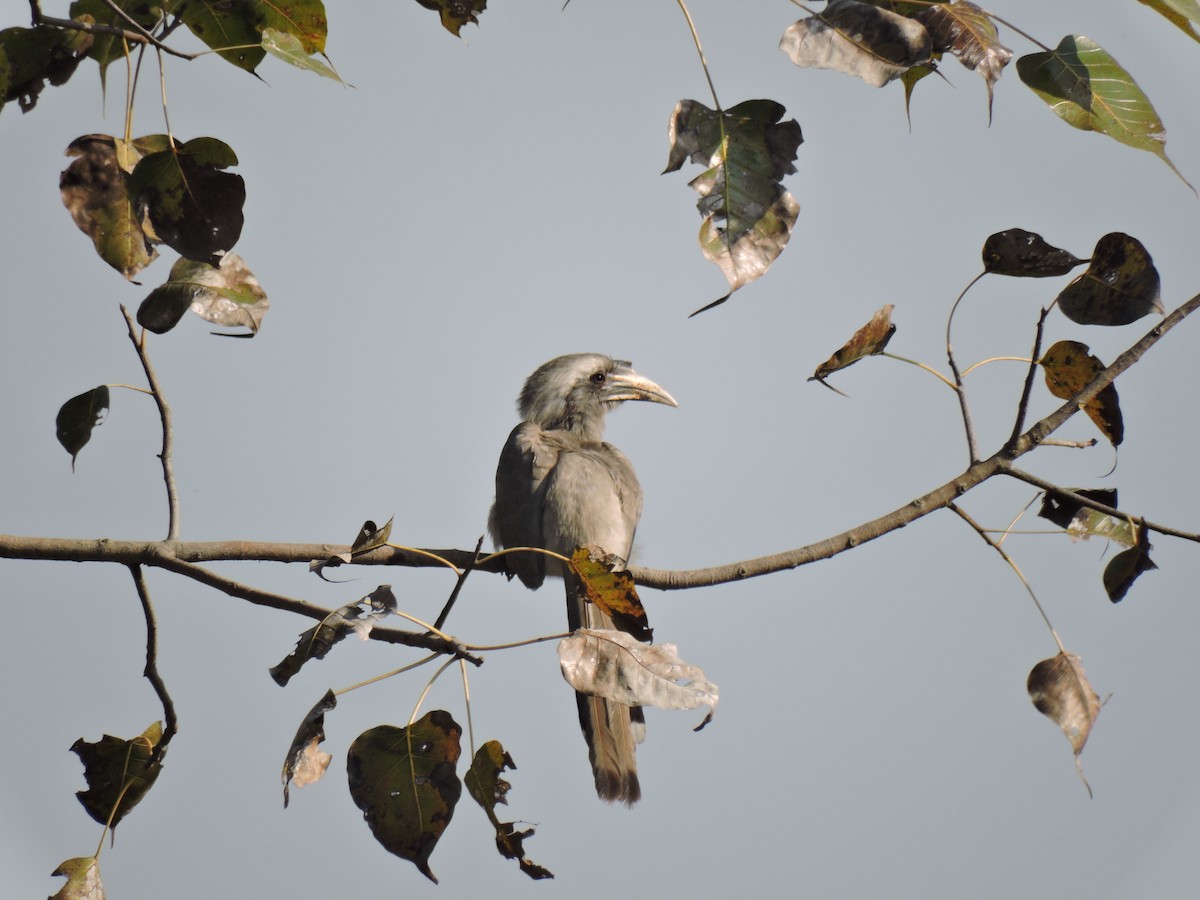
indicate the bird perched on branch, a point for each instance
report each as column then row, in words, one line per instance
column 559, row 486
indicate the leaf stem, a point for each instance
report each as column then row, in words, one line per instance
column 700, row 51
column 920, row 365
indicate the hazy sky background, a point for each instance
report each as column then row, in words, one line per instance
column 472, row 208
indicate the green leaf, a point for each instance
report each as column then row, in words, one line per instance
column 747, row 151
column 404, row 781
column 77, row 417
column 1124, row 568
column 83, row 879
column 108, row 47
column 231, row 27
column 488, row 789
column 303, row 19
column 291, row 50
column 194, row 207
column 95, row 190
column 119, row 772
column 1086, row 88
column 1119, row 286
column 1183, row 13
column 456, row 13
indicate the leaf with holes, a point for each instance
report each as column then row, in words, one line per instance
column 227, row 295
column 456, row 13
column 1119, row 286
column 119, row 772
column 404, row 781
column 1069, row 368
column 1085, row 87
column 965, row 30
column 876, row 45
column 488, row 789
column 306, row 762
column 1024, row 254
column 359, row 617
column 747, row 150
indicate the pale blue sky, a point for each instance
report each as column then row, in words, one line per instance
column 472, row 208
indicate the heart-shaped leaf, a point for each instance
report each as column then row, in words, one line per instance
column 1119, row 286
column 1069, row 368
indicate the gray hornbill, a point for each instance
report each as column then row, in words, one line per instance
column 560, row 486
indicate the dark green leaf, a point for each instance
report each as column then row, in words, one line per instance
column 77, row 417
column 404, row 781
column 456, row 13
column 231, row 27
column 30, row 57
column 194, row 207
column 1124, row 568
column 1119, row 286
column 746, row 151
column 118, row 772
column 1024, row 254
column 108, row 47
column 1088, row 89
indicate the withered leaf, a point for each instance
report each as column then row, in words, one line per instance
column 746, row 151
column 614, row 665
column 83, row 879
column 94, row 189
column 194, row 206
column 1119, row 286
column 1082, row 522
column 306, row 762
column 1124, row 568
column 1024, row 254
column 488, row 789
column 404, row 781
column 1069, row 368
column 613, row 592
column 456, row 13
column 358, row 618
column 876, row 45
column 119, row 772
column 1061, row 509
column 77, row 417
column 965, row 30
column 227, row 294
column 1060, row 690
column 30, row 57
column 869, row 340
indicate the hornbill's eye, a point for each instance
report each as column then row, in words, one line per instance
column 599, row 378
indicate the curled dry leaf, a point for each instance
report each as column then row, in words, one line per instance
column 859, row 39
column 1024, row 254
column 488, row 789
column 615, row 666
column 1119, row 286
column 370, row 537
column 1069, row 368
column 83, row 879
column 1060, row 690
column 306, row 762
column 227, row 294
column 77, row 417
column 965, row 30
column 1082, row 522
column 869, row 340
column 358, row 617
column 1124, row 568
column 119, row 772
column 404, row 781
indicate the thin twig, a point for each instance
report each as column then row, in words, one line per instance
column 1027, row 390
column 458, row 586
column 964, row 406
column 164, row 415
column 136, row 37
column 170, row 721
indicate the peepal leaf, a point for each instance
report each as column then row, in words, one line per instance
column 488, row 789
column 1062, row 510
column 231, row 27
column 869, row 340
column 965, row 30
column 306, row 762
column 1060, row 690
column 1182, row 13
column 291, row 50
column 77, row 417
column 302, row 19
column 359, row 618
column 30, row 57
column 876, row 45
column 119, row 772
column 95, row 192
column 404, row 781
column 194, row 206
column 1119, row 286
column 613, row 665
column 1082, row 522
column 1069, row 368
column 1024, row 254
column 1124, row 568
column 83, row 879
column 370, row 537
column 614, row 592
column 227, row 294
column 1085, row 87
column 747, row 151
column 109, row 47
column 456, row 13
